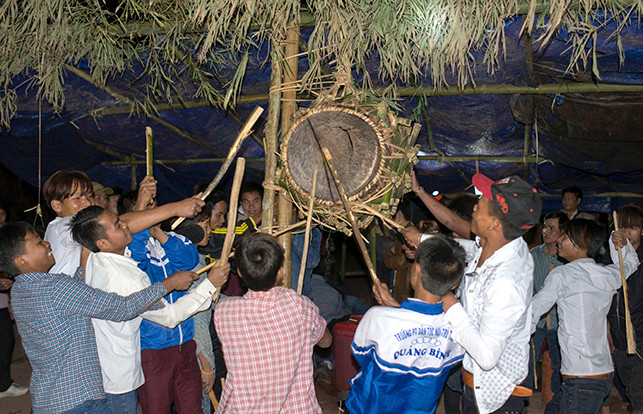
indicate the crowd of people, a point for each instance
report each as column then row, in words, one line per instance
column 116, row 315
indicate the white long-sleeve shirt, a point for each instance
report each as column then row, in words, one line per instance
column 492, row 320
column 65, row 250
column 119, row 343
column 583, row 291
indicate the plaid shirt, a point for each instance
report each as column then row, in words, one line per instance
column 53, row 312
column 268, row 339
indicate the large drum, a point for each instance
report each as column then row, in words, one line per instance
column 371, row 150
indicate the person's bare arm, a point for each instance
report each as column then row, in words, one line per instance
column 382, row 294
column 158, row 234
column 441, row 212
column 326, row 339
column 180, row 280
column 141, row 220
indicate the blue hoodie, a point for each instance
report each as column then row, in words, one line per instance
column 160, row 261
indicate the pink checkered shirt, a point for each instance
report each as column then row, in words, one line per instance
column 268, row 339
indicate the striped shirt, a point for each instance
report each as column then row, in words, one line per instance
column 53, row 313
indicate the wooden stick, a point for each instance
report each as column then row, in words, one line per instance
column 356, row 233
column 243, row 134
column 211, row 265
column 232, row 209
column 629, row 328
column 304, row 256
column 149, row 152
column 288, row 228
column 213, row 398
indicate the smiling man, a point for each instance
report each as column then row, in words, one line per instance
column 251, row 196
column 119, row 343
column 53, row 314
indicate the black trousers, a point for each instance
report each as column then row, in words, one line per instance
column 6, row 349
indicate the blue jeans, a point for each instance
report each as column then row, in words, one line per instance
column 126, row 403
column 91, row 407
column 580, row 396
column 535, row 346
column 206, row 404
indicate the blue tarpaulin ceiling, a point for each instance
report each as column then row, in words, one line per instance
column 589, row 139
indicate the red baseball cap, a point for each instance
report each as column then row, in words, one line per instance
column 518, row 201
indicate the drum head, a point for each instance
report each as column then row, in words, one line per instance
column 354, row 142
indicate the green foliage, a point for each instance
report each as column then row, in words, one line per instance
column 201, row 38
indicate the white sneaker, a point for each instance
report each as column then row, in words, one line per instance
column 14, row 390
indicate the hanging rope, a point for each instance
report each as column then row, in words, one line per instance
column 38, row 207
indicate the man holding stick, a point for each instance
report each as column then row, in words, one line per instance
column 108, row 269
column 492, row 318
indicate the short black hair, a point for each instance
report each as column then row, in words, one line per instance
column 214, row 198
column 587, row 235
column 12, row 244
column 630, row 216
column 562, row 217
column 442, row 262
column 574, row 190
column 462, row 205
column 251, row 187
column 509, row 231
column 85, row 228
column 259, row 257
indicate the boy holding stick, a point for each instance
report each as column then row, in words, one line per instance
column 101, row 232
column 406, row 353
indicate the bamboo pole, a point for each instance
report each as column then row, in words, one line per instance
column 177, row 161
column 271, row 132
column 149, row 152
column 243, row 134
column 493, row 89
column 356, row 233
column 232, row 216
column 629, row 328
column 529, row 66
column 288, row 228
column 232, row 210
column 289, row 106
column 304, row 256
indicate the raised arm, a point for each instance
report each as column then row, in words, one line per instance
column 441, row 212
column 140, row 220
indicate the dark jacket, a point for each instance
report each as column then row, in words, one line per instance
column 616, row 315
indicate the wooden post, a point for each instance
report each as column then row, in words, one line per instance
column 304, row 255
column 629, row 328
column 356, row 233
column 289, row 106
column 271, row 131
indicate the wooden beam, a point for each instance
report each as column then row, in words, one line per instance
column 131, row 103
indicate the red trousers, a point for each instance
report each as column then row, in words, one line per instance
column 171, row 376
